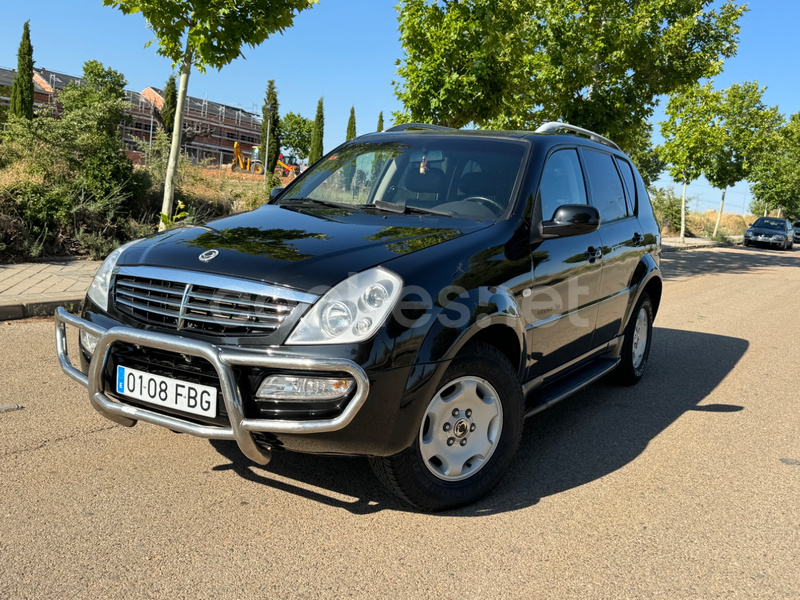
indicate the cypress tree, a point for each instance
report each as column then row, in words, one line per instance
column 273, row 118
column 351, row 124
column 316, row 134
column 22, row 89
column 170, row 101
column 380, row 121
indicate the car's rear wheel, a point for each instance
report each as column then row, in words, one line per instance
column 468, row 435
column 637, row 342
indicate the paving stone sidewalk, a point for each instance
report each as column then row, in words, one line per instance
column 36, row 289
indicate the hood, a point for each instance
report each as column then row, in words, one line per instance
column 765, row 231
column 297, row 246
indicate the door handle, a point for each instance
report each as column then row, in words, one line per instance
column 592, row 254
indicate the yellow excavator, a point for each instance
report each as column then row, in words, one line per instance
column 286, row 166
column 240, row 163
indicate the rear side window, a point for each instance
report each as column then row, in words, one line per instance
column 630, row 188
column 562, row 182
column 606, row 186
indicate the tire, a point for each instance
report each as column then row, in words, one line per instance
column 639, row 329
column 464, row 444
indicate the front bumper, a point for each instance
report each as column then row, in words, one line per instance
column 223, row 359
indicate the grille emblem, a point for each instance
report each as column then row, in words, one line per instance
column 208, row 255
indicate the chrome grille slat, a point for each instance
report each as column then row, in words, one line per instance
column 151, row 309
column 244, row 309
column 276, row 307
column 192, row 318
column 156, row 299
column 229, row 312
column 177, row 290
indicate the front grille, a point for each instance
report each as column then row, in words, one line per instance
column 200, row 308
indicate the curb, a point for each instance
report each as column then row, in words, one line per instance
column 38, row 308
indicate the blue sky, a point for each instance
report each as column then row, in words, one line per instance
column 345, row 51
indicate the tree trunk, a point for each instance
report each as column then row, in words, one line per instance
column 719, row 216
column 683, row 213
column 177, row 131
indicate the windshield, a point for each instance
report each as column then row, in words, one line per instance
column 454, row 175
column 770, row 223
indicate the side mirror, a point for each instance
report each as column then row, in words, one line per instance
column 275, row 192
column 571, row 219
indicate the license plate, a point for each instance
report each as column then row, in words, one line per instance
column 167, row 392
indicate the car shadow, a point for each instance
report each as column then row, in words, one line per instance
column 584, row 438
column 701, row 261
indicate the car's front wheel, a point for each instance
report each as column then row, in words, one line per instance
column 469, row 433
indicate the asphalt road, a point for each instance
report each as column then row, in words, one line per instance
column 685, row 486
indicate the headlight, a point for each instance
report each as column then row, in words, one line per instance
column 748, row 233
column 351, row 311
column 779, row 238
column 98, row 291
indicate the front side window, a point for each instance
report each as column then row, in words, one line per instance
column 562, row 182
column 606, row 186
column 453, row 175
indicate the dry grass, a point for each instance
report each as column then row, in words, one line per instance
column 222, row 192
column 17, row 173
column 702, row 224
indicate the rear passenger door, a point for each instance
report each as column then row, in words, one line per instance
column 613, row 192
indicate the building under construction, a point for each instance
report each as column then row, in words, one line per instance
column 210, row 128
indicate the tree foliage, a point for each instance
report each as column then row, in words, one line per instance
column 170, row 103
column 317, row 133
column 776, row 177
column 514, row 64
column 750, row 130
column 70, row 176
column 21, row 103
column 692, row 134
column 271, row 117
column 297, row 132
column 351, row 124
column 380, row 121
column 205, row 34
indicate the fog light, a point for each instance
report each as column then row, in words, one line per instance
column 290, row 387
column 89, row 341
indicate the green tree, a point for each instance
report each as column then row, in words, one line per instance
column 317, row 133
column 750, row 128
column 776, row 177
column 380, row 121
column 21, row 104
column 80, row 185
column 692, row 136
column 296, row 131
column 170, row 102
column 351, row 124
column 272, row 119
column 206, row 34
column 514, row 64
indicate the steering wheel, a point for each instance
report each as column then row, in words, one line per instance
column 493, row 205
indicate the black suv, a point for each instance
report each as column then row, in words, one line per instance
column 411, row 297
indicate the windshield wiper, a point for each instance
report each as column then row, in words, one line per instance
column 299, row 200
column 402, row 208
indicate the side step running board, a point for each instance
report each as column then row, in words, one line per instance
column 570, row 384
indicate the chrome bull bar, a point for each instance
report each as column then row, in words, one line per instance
column 223, row 359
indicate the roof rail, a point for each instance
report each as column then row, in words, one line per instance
column 407, row 126
column 553, row 126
